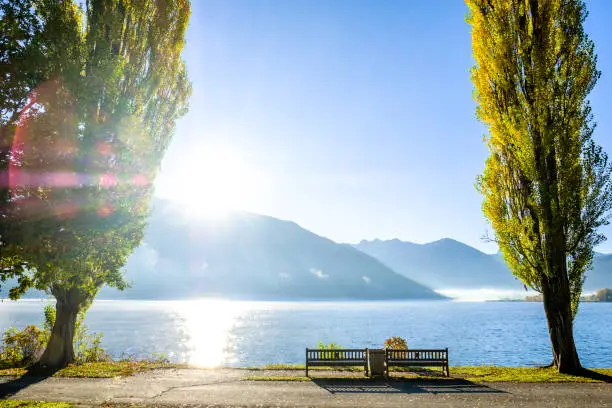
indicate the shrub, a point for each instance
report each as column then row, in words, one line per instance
column 23, row 347
column 331, row 346
column 396, row 343
column 159, row 358
column 48, row 320
column 88, row 348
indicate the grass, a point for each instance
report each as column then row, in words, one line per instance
column 33, row 404
column 13, row 372
column 524, row 375
column 475, row 374
column 509, row 374
column 99, row 370
column 287, row 367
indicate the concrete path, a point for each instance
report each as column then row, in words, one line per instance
column 227, row 388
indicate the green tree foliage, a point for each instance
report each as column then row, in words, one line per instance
column 546, row 184
column 89, row 100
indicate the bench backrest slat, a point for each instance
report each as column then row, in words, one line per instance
column 417, row 354
column 338, row 354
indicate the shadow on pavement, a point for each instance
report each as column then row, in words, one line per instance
column 370, row 386
column 33, row 376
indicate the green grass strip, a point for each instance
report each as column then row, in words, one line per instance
column 98, row 370
column 33, row 404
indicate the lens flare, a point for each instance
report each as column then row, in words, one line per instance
column 46, row 160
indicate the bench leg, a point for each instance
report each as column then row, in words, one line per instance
column 306, row 369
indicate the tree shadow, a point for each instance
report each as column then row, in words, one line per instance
column 402, row 386
column 419, row 371
column 34, row 375
column 594, row 375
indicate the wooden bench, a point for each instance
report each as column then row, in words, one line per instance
column 336, row 358
column 417, row 358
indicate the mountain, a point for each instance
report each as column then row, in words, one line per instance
column 443, row 264
column 449, row 264
column 601, row 275
column 246, row 255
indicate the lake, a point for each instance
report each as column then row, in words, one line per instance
column 237, row 333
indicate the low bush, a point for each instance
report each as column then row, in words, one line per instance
column 23, row 347
column 396, row 343
column 158, row 358
column 331, row 346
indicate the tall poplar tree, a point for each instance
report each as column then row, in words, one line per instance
column 546, row 183
column 89, row 100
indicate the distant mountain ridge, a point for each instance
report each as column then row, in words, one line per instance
column 253, row 256
column 450, row 264
column 443, row 264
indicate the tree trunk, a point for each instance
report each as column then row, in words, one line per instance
column 557, row 305
column 60, row 349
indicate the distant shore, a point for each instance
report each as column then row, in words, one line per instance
column 602, row 295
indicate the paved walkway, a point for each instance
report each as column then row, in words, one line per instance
column 227, row 388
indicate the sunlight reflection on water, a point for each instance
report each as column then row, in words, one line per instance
column 240, row 333
column 208, row 324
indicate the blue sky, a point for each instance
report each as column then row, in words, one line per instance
column 353, row 118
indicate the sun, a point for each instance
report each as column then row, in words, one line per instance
column 213, row 181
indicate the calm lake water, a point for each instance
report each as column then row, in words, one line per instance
column 231, row 333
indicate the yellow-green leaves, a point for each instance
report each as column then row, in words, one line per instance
column 546, row 185
column 534, row 69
